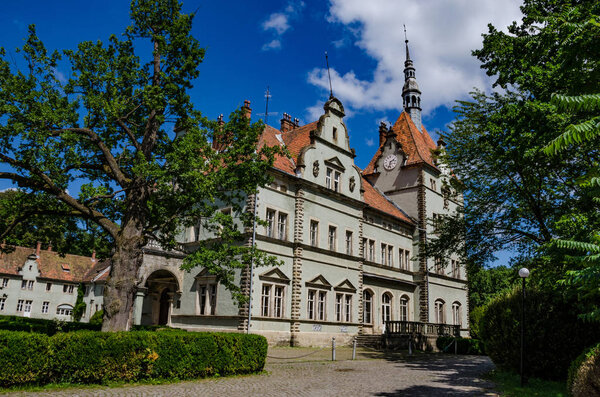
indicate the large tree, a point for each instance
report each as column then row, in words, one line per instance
column 120, row 145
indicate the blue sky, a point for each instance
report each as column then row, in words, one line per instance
column 281, row 44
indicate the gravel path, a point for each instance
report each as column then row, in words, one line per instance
column 372, row 374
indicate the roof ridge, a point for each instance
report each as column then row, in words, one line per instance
column 407, row 116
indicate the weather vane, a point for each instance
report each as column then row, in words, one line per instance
column 328, row 74
column 267, row 95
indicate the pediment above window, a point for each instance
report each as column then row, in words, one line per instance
column 319, row 282
column 275, row 276
column 345, row 286
column 335, row 163
column 205, row 275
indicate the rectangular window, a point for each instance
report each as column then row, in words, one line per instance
column 407, row 259
column 30, row 284
column 270, row 223
column 321, row 305
column 314, row 233
column 311, row 304
column 372, row 250
column 339, row 301
column 384, row 254
column 24, row 284
column 282, row 226
column 328, row 176
column 207, row 298
column 20, row 305
column 390, row 256
column 343, row 307
column 2, row 303
column 334, row 134
column 28, row 306
column 68, row 289
column 364, row 245
column 45, row 307
column 332, row 237
column 348, row 242
column 433, row 184
column 336, row 181
column 48, row 286
column 439, row 266
column 278, row 301
column 265, row 301
column 348, row 308
column 455, row 269
column 4, row 282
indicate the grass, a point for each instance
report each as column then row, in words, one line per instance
column 509, row 384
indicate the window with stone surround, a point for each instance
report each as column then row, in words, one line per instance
column 282, row 226
column 367, row 307
column 390, row 256
column 349, row 242
column 20, row 305
column 314, row 233
column 455, row 269
column 440, row 308
column 27, row 308
column 316, row 305
column 272, row 299
column 207, row 296
column 68, row 288
column 270, row 228
column 64, row 310
column 386, row 307
column 404, row 257
column 456, row 317
column 45, row 306
column 404, row 308
column 343, row 307
column 4, row 282
column 372, row 250
column 332, row 238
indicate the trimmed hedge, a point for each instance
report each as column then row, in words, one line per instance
column 87, row 357
column 584, row 374
column 554, row 335
column 40, row 325
column 464, row 345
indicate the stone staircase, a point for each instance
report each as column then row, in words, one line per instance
column 369, row 341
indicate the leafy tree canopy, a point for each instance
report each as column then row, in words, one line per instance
column 121, row 146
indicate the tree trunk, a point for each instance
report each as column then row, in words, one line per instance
column 119, row 294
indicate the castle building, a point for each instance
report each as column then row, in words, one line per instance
column 348, row 238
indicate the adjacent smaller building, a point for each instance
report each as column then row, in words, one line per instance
column 40, row 283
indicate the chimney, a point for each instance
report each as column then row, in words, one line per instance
column 286, row 123
column 296, row 122
column 383, row 131
column 246, row 109
column 220, row 120
column 220, row 140
column 38, row 249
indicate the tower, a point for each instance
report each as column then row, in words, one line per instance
column 411, row 95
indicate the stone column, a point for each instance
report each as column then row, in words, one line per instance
column 423, row 271
column 170, row 301
column 361, row 251
column 245, row 273
column 138, row 305
column 297, row 266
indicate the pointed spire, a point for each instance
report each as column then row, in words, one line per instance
column 411, row 95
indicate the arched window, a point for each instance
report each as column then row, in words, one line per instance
column 440, row 307
column 64, row 310
column 404, row 308
column 414, row 101
column 386, row 307
column 456, row 311
column 367, row 307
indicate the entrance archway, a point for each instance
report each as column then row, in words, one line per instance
column 161, row 287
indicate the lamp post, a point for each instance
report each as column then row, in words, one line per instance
column 523, row 273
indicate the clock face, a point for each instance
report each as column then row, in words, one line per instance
column 390, row 162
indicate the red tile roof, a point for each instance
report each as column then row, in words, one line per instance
column 296, row 140
column 417, row 145
column 50, row 264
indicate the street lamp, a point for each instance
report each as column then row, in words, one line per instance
column 523, row 273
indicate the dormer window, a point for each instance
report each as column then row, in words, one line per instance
column 332, row 179
column 65, row 267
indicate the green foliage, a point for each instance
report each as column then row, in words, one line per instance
column 123, row 128
column 463, row 345
column 79, row 308
column 553, row 333
column 38, row 325
column 584, row 373
column 475, row 318
column 509, row 385
column 94, row 357
column 96, row 318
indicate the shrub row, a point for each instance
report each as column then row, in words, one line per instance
column 48, row 327
column 584, row 374
column 445, row 344
column 87, row 357
column 554, row 335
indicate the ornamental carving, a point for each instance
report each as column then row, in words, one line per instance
column 352, row 184
column 316, row 169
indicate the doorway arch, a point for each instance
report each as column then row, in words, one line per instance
column 161, row 288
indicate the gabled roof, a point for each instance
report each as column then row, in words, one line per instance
column 50, row 264
column 417, row 145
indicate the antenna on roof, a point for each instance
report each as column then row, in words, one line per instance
column 267, row 95
column 328, row 74
column 406, row 43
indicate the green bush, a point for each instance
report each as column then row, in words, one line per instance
column 475, row 317
column 584, row 374
column 88, row 357
column 553, row 333
column 39, row 325
column 464, row 345
column 97, row 318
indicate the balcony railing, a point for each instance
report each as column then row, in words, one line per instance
column 415, row 328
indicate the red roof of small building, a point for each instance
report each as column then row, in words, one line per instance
column 50, row 264
column 417, row 145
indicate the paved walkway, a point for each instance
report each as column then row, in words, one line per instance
column 372, row 374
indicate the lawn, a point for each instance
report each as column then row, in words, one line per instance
column 509, row 384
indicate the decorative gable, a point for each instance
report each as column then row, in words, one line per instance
column 319, row 282
column 345, row 286
column 275, row 276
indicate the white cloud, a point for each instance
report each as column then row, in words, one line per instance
column 370, row 142
column 442, row 36
column 279, row 22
